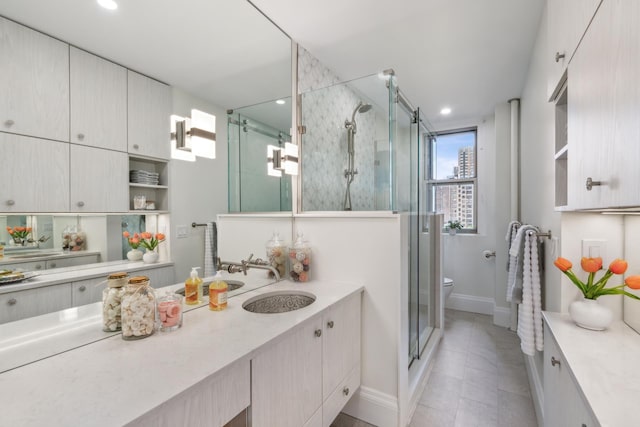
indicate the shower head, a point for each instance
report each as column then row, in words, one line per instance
column 360, row 108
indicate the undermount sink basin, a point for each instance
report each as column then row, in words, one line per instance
column 279, row 302
column 33, row 255
column 233, row 285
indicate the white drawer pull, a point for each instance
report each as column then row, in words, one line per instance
column 12, row 301
column 345, row 391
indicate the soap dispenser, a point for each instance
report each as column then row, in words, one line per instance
column 193, row 288
column 218, row 290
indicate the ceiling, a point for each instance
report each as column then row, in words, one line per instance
column 466, row 54
column 224, row 51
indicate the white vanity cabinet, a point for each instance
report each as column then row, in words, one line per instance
column 603, row 129
column 98, row 180
column 213, row 402
column 87, row 291
column 288, row 370
column 563, row 402
column 98, row 101
column 149, row 110
column 317, row 365
column 36, row 178
column 34, row 83
column 33, row 302
column 568, row 20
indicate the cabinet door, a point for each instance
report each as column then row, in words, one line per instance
column 87, row 291
column 26, row 266
column 99, row 180
column 72, row 261
column 34, row 302
column 149, row 106
column 34, row 174
column 34, row 83
column 98, row 101
column 567, row 22
column 604, row 98
column 158, row 277
column 341, row 343
column 286, row 378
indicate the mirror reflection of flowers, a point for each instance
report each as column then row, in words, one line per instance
column 134, row 241
column 151, row 241
column 592, row 290
column 18, row 234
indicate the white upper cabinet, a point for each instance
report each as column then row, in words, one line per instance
column 34, row 83
column 98, row 180
column 149, row 106
column 603, row 106
column 34, row 174
column 568, row 20
column 98, row 101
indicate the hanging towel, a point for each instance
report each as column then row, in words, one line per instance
column 516, row 255
column 210, row 249
column 530, row 310
column 512, row 229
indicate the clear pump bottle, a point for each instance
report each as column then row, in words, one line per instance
column 193, row 288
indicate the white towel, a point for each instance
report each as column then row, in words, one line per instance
column 210, row 249
column 530, row 310
column 516, row 253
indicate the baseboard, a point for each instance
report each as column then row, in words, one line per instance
column 502, row 316
column 536, row 387
column 470, row 303
column 374, row 407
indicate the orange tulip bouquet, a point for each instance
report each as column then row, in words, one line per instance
column 20, row 235
column 592, row 290
column 587, row 312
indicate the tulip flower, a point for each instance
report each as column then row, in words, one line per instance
column 591, row 265
column 633, row 282
column 125, row 234
column 618, row 266
column 563, row 264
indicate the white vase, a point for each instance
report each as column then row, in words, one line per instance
column 452, row 232
column 134, row 255
column 590, row 314
column 150, row 257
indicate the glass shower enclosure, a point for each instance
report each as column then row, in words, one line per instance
column 362, row 151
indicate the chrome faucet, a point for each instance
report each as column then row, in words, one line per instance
column 244, row 265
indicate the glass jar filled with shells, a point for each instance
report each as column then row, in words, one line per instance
column 299, row 260
column 138, row 309
column 277, row 255
column 112, row 302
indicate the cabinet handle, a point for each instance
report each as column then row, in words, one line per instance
column 318, row 332
column 53, row 265
column 81, row 136
column 38, row 267
column 554, row 361
column 80, row 204
column 11, row 202
column 82, row 288
column 345, row 391
column 9, row 123
column 330, row 324
column 559, row 56
column 136, row 146
column 591, row 183
column 12, row 301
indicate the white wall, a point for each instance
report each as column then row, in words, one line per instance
column 198, row 190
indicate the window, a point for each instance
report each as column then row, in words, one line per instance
column 451, row 177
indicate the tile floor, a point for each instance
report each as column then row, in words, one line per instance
column 478, row 379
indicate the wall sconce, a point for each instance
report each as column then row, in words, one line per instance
column 282, row 159
column 195, row 136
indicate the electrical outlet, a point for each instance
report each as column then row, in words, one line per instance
column 182, row 231
column 592, row 248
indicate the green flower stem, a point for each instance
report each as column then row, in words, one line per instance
column 576, row 281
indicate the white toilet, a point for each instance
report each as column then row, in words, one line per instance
column 447, row 286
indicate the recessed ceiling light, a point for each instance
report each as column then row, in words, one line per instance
column 280, row 101
column 108, row 4
column 445, row 111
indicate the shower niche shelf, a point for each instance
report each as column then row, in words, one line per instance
column 561, row 150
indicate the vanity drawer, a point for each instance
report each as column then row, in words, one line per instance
column 34, row 302
column 340, row 396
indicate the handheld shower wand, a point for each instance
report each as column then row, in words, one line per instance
column 350, row 172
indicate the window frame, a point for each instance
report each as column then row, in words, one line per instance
column 429, row 185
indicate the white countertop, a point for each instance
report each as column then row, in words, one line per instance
column 113, row 382
column 79, row 272
column 604, row 365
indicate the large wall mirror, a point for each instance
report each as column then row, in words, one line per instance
column 224, row 52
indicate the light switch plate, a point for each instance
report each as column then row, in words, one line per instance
column 592, row 248
column 182, row 231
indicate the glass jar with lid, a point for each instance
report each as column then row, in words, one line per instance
column 277, row 255
column 138, row 309
column 111, row 302
column 300, row 260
